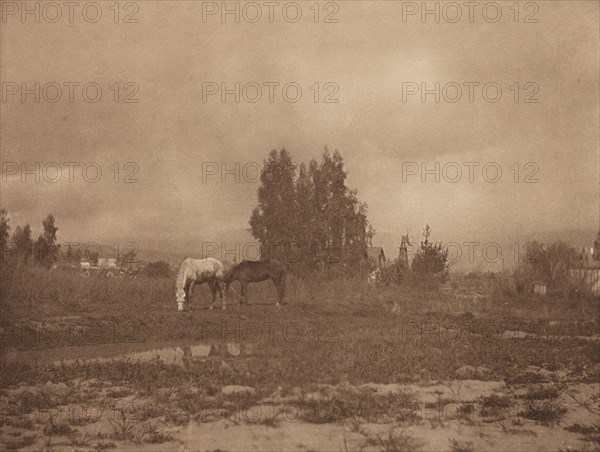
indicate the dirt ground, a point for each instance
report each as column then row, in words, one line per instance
column 276, row 423
column 354, row 371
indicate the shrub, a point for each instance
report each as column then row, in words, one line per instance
column 158, row 269
column 493, row 405
column 542, row 393
column 430, row 259
column 546, row 412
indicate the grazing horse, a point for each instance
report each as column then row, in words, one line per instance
column 199, row 271
column 255, row 271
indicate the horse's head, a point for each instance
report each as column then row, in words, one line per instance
column 180, row 299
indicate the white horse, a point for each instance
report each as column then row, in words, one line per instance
column 199, row 271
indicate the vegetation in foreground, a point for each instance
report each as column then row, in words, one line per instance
column 363, row 334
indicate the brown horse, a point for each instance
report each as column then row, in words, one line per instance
column 256, row 271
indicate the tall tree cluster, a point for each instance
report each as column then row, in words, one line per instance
column 22, row 246
column 46, row 248
column 4, row 232
column 307, row 216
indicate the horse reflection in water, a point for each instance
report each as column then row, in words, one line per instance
column 212, row 354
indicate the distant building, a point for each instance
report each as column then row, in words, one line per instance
column 587, row 269
column 376, row 257
column 107, row 263
column 587, row 259
column 539, row 288
column 132, row 266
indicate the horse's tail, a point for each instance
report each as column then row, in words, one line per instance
column 281, row 286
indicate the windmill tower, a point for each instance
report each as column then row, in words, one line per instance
column 403, row 256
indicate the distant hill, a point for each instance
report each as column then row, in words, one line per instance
column 228, row 245
column 240, row 245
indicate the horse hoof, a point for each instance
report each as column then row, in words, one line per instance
column 211, row 307
column 223, row 308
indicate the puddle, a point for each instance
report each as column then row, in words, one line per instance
column 508, row 334
column 176, row 353
column 183, row 355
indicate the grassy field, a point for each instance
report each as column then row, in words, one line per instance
column 356, row 364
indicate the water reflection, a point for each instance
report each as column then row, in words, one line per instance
column 183, row 355
column 218, row 353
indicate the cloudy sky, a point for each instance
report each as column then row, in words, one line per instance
column 370, row 56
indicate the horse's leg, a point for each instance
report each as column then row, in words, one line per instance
column 277, row 284
column 220, row 286
column 280, row 286
column 186, row 296
column 283, row 285
column 213, row 291
column 243, row 288
column 187, row 356
column 189, row 293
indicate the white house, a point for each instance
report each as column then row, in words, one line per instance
column 107, row 263
column 587, row 269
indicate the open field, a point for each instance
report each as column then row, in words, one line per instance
column 417, row 179
column 92, row 364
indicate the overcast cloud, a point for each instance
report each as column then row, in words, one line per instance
column 171, row 132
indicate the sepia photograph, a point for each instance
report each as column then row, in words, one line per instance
column 309, row 225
